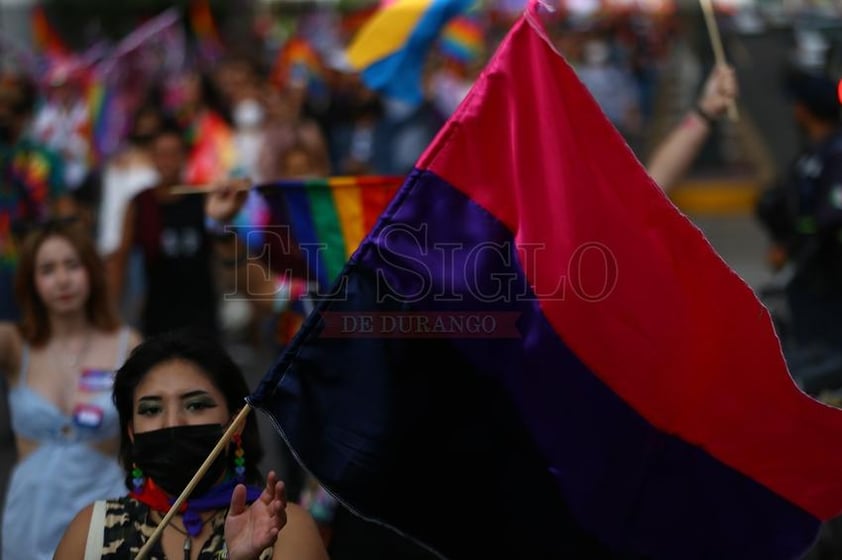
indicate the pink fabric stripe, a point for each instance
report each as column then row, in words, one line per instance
column 644, row 301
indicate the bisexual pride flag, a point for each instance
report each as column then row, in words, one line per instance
column 534, row 354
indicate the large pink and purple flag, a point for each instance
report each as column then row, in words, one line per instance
column 534, row 354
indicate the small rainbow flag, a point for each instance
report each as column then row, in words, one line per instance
column 100, row 100
column 463, row 39
column 47, row 40
column 213, row 154
column 205, row 31
column 298, row 61
column 329, row 217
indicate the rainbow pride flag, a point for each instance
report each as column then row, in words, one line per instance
column 213, row 154
column 101, row 101
column 298, row 62
column 463, row 39
column 329, row 217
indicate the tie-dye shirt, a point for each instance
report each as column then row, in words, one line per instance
column 30, row 180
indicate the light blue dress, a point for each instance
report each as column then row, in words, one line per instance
column 65, row 473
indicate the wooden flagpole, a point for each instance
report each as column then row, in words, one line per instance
column 718, row 50
column 239, row 184
column 333, row 181
column 201, row 189
column 226, row 437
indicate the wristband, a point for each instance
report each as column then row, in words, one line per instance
column 705, row 116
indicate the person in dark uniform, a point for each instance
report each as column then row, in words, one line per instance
column 803, row 215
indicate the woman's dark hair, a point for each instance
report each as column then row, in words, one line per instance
column 150, row 108
column 212, row 98
column 205, row 353
column 20, row 91
column 171, row 127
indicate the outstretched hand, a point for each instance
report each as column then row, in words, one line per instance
column 249, row 530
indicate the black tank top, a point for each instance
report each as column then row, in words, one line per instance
column 180, row 290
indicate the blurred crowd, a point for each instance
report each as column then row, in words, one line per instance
column 79, row 140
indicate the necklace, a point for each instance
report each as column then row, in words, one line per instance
column 68, row 360
column 188, row 540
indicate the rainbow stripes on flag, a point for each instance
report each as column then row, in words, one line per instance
column 213, row 154
column 299, row 63
column 100, row 104
column 463, row 39
column 329, row 217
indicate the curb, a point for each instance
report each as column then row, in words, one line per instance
column 716, row 197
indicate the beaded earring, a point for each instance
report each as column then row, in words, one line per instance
column 138, row 479
column 239, row 458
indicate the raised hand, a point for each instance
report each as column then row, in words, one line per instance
column 720, row 91
column 226, row 199
column 249, row 530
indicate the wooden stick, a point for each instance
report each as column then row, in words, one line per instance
column 718, row 50
column 198, row 189
column 337, row 181
column 238, row 185
column 226, row 437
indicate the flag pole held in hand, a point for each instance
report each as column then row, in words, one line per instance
column 718, row 50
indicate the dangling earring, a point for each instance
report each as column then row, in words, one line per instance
column 239, row 458
column 138, row 479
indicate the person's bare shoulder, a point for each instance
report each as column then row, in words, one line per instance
column 300, row 538
column 75, row 539
column 135, row 339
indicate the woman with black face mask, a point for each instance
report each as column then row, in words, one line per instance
column 176, row 395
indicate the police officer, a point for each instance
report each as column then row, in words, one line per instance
column 804, row 218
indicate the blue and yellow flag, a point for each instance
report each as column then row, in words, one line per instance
column 390, row 49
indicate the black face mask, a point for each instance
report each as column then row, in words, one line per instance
column 172, row 456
